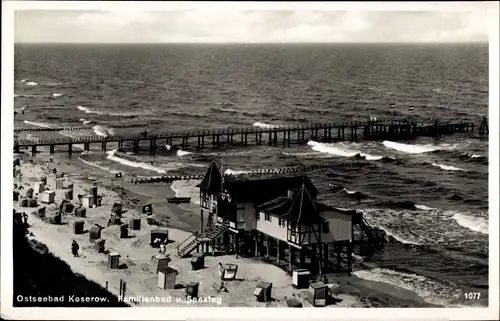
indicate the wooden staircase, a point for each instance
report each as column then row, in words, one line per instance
column 197, row 238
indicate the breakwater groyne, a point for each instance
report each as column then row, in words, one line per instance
column 59, row 129
column 276, row 135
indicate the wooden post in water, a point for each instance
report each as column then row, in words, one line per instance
column 52, row 149
column 70, row 149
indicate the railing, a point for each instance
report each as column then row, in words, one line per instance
column 189, row 238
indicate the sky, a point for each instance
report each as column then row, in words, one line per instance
column 255, row 26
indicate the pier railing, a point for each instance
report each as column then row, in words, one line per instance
column 331, row 131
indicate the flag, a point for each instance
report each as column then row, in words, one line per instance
column 119, row 175
column 147, row 209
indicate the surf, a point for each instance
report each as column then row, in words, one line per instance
column 340, row 150
column 265, row 125
column 473, row 223
column 37, row 124
column 112, row 156
column 448, row 167
column 411, row 149
column 426, row 288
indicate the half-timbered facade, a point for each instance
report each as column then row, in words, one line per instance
column 280, row 212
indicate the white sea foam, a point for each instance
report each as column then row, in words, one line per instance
column 88, row 110
column 168, row 147
column 37, row 124
column 181, row 153
column 265, row 125
column 85, row 122
column 348, row 191
column 235, row 172
column 340, row 150
column 56, row 95
column 431, row 291
column 476, row 224
column 101, row 131
column 475, row 156
column 424, row 208
column 448, row 167
column 413, row 149
column 184, row 188
column 95, row 164
column 126, row 162
column 31, row 83
column 23, row 81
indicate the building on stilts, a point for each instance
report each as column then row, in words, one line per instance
column 277, row 219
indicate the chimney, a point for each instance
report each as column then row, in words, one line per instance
column 291, row 194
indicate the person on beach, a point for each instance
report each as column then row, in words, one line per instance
column 25, row 219
column 74, row 248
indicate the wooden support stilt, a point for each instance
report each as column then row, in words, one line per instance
column 52, row 149
column 278, row 251
column 70, row 149
column 290, row 258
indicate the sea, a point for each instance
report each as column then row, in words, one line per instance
column 430, row 195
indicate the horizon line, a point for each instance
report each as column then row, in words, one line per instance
column 248, row 43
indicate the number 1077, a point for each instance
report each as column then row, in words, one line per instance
column 472, row 295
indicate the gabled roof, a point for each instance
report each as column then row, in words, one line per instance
column 261, row 190
column 278, row 206
column 303, row 209
column 212, row 181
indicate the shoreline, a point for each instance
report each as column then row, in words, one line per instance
column 354, row 291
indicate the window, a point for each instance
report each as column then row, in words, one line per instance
column 326, row 227
column 280, row 222
column 267, row 217
column 258, row 216
column 293, row 226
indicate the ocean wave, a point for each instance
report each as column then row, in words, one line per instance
column 84, row 121
column 121, row 114
column 181, row 153
column 476, row 224
column 23, row 81
column 428, row 289
column 424, row 208
column 235, row 172
column 56, row 95
column 413, row 149
column 355, row 194
column 340, row 150
column 448, row 167
column 88, row 110
column 265, row 125
column 186, row 188
column 31, row 83
column 474, row 157
column 96, row 164
column 101, row 131
column 224, row 110
column 112, row 156
column 37, row 124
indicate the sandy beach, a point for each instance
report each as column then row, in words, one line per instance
column 136, row 253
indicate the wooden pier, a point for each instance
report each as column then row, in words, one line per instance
column 279, row 135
